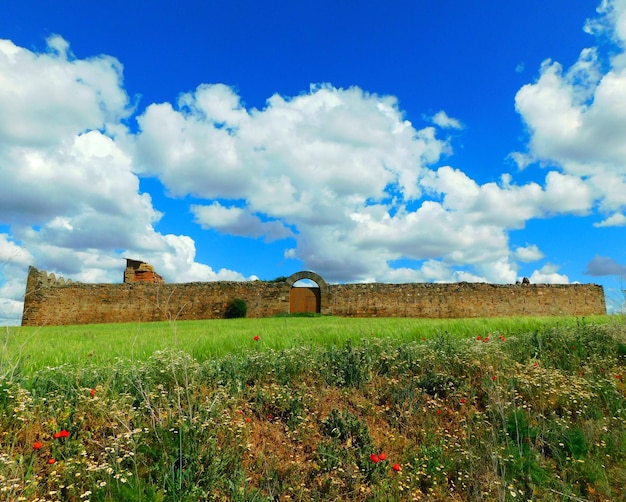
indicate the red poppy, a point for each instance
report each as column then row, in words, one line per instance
column 382, row 456
column 479, row 337
column 248, row 419
column 438, row 412
column 463, row 401
column 51, row 461
column 37, row 445
column 62, row 434
column 494, row 378
column 256, row 338
column 396, row 467
column 374, row 458
column 92, row 392
column 486, row 339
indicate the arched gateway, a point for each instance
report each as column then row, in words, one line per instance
column 307, row 299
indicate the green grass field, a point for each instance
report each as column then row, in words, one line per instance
column 31, row 349
column 316, row 409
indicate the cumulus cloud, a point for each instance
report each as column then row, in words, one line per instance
column 548, row 274
column 342, row 170
column 528, row 253
column 615, row 220
column 45, row 96
column 444, row 121
column 576, row 117
column 238, row 221
column 68, row 190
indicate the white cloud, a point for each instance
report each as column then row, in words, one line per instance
column 444, row 121
column 577, row 119
column 345, row 170
column 177, row 263
column 528, row 253
column 68, row 191
column 548, row 274
column 615, row 220
column 238, row 221
column 14, row 261
column 46, row 97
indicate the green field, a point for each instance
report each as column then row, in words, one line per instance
column 34, row 348
column 316, row 408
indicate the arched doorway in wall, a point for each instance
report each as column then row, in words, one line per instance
column 310, row 296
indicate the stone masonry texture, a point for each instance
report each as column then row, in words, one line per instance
column 57, row 302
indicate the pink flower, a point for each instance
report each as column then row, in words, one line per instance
column 396, row 467
column 374, row 458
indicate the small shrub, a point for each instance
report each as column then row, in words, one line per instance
column 237, row 308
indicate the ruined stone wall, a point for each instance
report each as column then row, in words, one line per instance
column 140, row 271
column 464, row 300
column 46, row 305
column 55, row 302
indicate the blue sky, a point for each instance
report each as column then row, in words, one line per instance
column 366, row 141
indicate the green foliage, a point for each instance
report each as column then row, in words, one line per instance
column 509, row 418
column 280, row 278
column 347, row 367
column 236, row 309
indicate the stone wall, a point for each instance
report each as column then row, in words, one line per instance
column 57, row 302
column 144, row 301
column 464, row 300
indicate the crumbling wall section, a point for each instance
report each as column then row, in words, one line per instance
column 144, row 301
column 140, row 271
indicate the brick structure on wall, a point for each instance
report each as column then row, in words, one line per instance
column 140, row 271
column 52, row 301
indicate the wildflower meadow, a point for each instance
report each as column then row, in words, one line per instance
column 501, row 415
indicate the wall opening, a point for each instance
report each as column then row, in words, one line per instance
column 308, row 293
column 304, row 297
